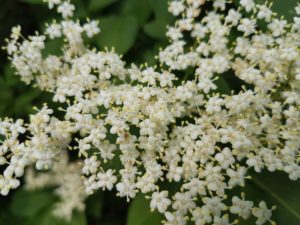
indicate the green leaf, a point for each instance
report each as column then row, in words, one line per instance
column 222, row 86
column 17, row 104
column 27, row 203
column 140, row 214
column 149, row 57
column 81, row 11
column 160, row 9
column 97, row 5
column 156, row 29
column 9, row 75
column 119, row 32
column 275, row 189
column 283, row 192
column 53, row 47
column 48, row 218
column 24, row 102
column 94, row 205
column 141, row 10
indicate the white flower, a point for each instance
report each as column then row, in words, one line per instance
column 176, row 7
column 248, row 4
column 11, row 48
column 126, row 189
column 91, row 28
column 166, row 123
column 17, row 128
column 15, row 32
column 215, row 205
column 52, row 3
column 241, row 207
column 236, row 177
column 247, row 26
column 262, row 213
column 160, row 201
column 256, row 162
column 3, row 160
column 220, row 4
column 83, row 146
column 195, row 187
column 91, row 184
column 175, row 173
column 91, row 165
column 225, row 158
column 214, row 105
column 66, row 9
column 297, row 9
column 174, row 218
column 277, row 27
column 44, row 159
column 233, row 17
column 264, row 13
column 106, row 180
column 17, row 165
column 183, row 202
column 224, row 220
column 8, row 183
column 54, row 31
column 201, row 215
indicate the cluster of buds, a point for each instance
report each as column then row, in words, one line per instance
column 158, row 127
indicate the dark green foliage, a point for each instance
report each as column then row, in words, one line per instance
column 119, row 32
column 35, row 208
column 139, row 212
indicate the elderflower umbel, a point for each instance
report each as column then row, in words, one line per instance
column 158, row 126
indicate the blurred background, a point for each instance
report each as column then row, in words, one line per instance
column 136, row 29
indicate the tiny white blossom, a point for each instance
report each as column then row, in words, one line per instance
column 54, row 31
column 241, row 207
column 160, row 201
column 247, row 26
column 262, row 213
column 91, row 28
column 66, row 9
column 248, row 4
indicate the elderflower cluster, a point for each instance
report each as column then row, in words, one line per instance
column 158, row 127
column 65, row 176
